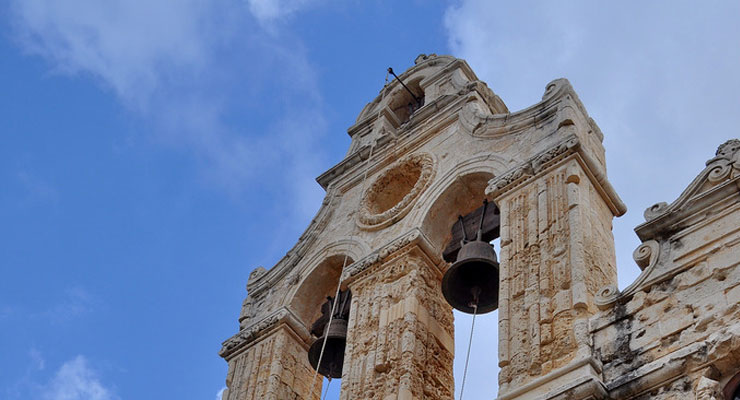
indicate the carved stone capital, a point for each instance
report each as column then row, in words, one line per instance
column 568, row 147
column 385, row 253
column 707, row 389
column 503, row 183
column 259, row 328
column 532, row 167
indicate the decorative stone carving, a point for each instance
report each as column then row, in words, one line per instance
column 249, row 334
column 531, row 167
column 646, row 254
column 554, row 153
column 606, row 297
column 256, row 274
column 423, row 57
column 728, row 150
column 395, row 191
column 655, row 210
column 355, row 269
column 707, row 389
column 247, row 313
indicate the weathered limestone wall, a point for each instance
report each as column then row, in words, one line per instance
column 273, row 367
column 557, row 251
column 675, row 333
column 400, row 343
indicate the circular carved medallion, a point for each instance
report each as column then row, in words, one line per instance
column 395, row 191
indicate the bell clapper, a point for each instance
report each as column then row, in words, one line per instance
column 475, row 291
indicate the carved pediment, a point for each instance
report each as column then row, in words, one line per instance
column 718, row 182
column 710, row 186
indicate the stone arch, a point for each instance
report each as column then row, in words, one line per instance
column 321, row 278
column 403, row 104
column 460, row 191
column 731, row 390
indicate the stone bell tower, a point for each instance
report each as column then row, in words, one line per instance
column 422, row 155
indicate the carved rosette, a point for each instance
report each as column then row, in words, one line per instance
column 395, row 191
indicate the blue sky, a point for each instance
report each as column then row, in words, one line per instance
column 152, row 154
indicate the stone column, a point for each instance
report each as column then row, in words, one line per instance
column 557, row 251
column 269, row 361
column 400, row 335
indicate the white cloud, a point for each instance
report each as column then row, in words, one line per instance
column 267, row 11
column 220, row 393
column 127, row 45
column 37, row 359
column 190, row 69
column 76, row 380
column 75, row 303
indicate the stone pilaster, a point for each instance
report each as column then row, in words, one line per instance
column 269, row 361
column 400, row 342
column 557, row 251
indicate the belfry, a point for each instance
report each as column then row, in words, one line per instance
column 437, row 168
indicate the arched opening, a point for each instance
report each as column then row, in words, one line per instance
column 405, row 104
column 312, row 293
column 483, row 364
column 321, row 282
column 461, row 197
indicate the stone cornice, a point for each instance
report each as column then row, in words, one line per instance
column 261, row 328
column 477, row 121
column 414, row 237
column 588, row 363
column 486, row 125
column 542, row 162
column 720, row 179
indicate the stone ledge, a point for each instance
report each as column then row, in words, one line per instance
column 265, row 326
column 558, row 381
column 544, row 161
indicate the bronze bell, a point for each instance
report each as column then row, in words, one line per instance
column 333, row 358
column 473, row 279
column 335, row 334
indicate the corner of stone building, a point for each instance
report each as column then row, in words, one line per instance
column 557, row 252
column 675, row 332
